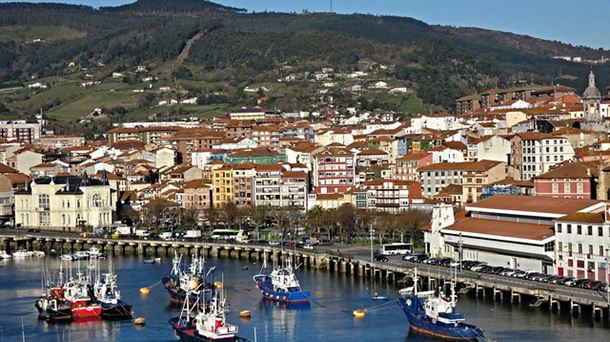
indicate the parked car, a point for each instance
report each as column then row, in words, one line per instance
column 274, row 243
column 412, row 256
column 382, row 258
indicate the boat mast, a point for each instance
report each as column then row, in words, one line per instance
column 415, row 281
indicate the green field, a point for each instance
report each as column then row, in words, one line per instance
column 23, row 33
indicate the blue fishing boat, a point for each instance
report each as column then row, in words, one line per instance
column 433, row 315
column 281, row 284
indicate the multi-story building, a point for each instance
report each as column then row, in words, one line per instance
column 267, row 185
column 222, row 186
column 479, row 174
column 576, row 180
column 435, row 177
column 64, row 203
column 406, row 166
column 197, row 195
column 494, row 97
column 260, row 155
column 61, row 141
column 294, row 190
column 250, row 113
column 535, row 153
column 333, row 171
column 243, row 184
column 390, row 195
column 510, row 231
column 20, row 130
column 583, row 246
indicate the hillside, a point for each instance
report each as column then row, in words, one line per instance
column 229, row 49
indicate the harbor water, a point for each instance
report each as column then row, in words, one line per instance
column 328, row 318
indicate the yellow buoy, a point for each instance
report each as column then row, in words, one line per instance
column 139, row 321
column 359, row 313
column 144, row 290
column 218, row 284
column 245, row 314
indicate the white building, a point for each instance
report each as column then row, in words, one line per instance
column 64, row 203
column 442, row 122
column 583, row 246
column 540, row 152
column 503, row 230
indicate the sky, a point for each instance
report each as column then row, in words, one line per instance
column 578, row 22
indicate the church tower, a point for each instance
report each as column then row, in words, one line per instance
column 591, row 100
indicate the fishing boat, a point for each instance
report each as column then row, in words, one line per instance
column 21, row 253
column 209, row 324
column 150, row 261
column 51, row 305
column 80, row 255
column 77, row 293
column 66, row 257
column 108, row 296
column 39, row 254
column 5, row 255
column 434, row 315
column 192, row 280
column 281, row 284
column 94, row 252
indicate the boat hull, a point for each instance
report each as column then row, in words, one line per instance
column 424, row 325
column 62, row 314
column 284, row 297
column 188, row 333
column 116, row 312
column 177, row 295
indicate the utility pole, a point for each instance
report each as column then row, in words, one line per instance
column 371, row 237
column 460, row 252
column 331, row 6
column 607, row 280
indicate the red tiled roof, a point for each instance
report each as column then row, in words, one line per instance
column 503, row 228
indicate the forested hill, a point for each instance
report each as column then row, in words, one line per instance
column 441, row 63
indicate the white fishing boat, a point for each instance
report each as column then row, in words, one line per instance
column 5, row 255
column 21, row 253
column 94, row 252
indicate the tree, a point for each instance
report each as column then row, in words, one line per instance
column 346, row 217
column 231, row 214
column 411, row 223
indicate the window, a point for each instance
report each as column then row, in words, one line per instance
column 560, row 246
column 43, row 202
column 590, row 230
column 559, row 228
column 569, row 229
column 555, row 188
column 44, row 218
column 579, row 188
column 579, row 229
column 600, row 231
column 601, row 250
column 96, row 201
column 566, row 188
column 580, row 248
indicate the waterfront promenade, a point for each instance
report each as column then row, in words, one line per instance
column 353, row 261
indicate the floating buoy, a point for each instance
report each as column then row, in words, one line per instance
column 245, row 314
column 139, row 321
column 218, row 284
column 359, row 313
column 144, row 290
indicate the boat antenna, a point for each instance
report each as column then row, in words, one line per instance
column 255, row 339
column 22, row 330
